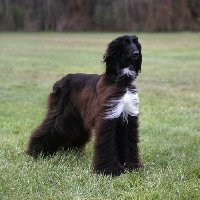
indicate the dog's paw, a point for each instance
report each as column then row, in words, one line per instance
column 113, row 171
column 133, row 166
column 116, row 171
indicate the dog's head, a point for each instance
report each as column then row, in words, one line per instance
column 123, row 52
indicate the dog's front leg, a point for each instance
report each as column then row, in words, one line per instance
column 129, row 139
column 105, row 159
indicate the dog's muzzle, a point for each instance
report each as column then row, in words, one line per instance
column 136, row 52
column 135, row 55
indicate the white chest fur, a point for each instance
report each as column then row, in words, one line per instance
column 125, row 105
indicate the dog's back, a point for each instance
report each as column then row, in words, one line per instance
column 77, row 81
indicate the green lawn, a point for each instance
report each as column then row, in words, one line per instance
column 169, row 91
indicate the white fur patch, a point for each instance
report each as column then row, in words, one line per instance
column 128, row 72
column 126, row 105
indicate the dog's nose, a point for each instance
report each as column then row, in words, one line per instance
column 135, row 54
column 135, row 51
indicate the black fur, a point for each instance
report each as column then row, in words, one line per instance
column 78, row 104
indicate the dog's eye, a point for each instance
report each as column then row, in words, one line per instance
column 135, row 40
column 126, row 42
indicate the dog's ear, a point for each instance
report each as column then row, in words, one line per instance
column 112, row 54
column 139, row 60
column 111, row 63
column 139, row 64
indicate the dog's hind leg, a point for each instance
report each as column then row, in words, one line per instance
column 45, row 138
column 62, row 128
column 43, row 141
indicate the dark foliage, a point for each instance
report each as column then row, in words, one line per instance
column 127, row 15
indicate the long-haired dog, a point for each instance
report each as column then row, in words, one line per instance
column 108, row 103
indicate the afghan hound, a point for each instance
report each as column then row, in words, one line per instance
column 107, row 103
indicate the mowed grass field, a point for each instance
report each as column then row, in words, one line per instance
column 169, row 92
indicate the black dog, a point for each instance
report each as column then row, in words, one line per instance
column 108, row 103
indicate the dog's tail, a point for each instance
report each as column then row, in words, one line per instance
column 45, row 139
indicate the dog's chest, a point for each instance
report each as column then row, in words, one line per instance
column 126, row 105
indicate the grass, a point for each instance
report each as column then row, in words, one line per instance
column 169, row 94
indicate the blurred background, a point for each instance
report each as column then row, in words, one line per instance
column 100, row 15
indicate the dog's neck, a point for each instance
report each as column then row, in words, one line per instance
column 126, row 78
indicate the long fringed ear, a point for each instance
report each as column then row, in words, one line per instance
column 111, row 55
column 139, row 64
column 139, row 61
column 110, row 64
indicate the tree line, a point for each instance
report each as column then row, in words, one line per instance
column 100, row 15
